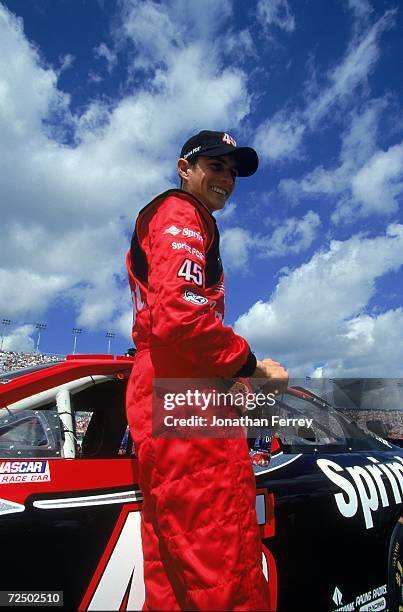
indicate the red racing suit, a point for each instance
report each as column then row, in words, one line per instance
column 201, row 542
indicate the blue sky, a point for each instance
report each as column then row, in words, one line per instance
column 96, row 99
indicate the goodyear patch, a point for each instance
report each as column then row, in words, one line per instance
column 12, row 472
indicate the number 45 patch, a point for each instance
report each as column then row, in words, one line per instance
column 192, row 272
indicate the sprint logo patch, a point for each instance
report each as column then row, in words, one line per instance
column 173, row 230
column 12, row 472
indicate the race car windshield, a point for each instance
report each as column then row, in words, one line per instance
column 375, row 404
column 308, row 423
column 29, row 433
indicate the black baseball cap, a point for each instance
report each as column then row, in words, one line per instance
column 215, row 144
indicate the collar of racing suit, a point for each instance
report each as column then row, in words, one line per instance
column 137, row 257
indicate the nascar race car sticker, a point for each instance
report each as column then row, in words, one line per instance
column 194, row 298
column 362, row 485
column 370, row 601
column 12, row 472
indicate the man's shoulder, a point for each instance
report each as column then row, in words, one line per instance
column 179, row 204
column 175, row 197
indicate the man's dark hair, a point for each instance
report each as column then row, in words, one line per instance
column 192, row 162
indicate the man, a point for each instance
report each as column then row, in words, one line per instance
column 201, row 542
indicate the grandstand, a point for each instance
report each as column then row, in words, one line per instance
column 11, row 360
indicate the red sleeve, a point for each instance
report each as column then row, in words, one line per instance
column 192, row 328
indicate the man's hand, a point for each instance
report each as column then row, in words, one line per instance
column 277, row 377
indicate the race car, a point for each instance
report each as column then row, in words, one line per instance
column 328, row 497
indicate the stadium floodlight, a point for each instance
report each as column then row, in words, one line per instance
column 40, row 327
column 76, row 332
column 110, row 336
column 5, row 323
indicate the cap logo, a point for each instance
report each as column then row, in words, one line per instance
column 192, row 152
column 228, row 139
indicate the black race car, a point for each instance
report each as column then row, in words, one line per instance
column 328, row 498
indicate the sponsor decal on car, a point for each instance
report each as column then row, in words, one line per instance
column 12, row 472
column 337, row 596
column 119, row 574
column 10, row 507
column 177, row 246
column 364, row 486
column 194, row 298
column 383, row 441
column 370, row 601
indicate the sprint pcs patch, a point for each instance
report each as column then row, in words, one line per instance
column 12, row 472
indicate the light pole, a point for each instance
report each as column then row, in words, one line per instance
column 76, row 332
column 5, row 323
column 40, row 327
column 110, row 336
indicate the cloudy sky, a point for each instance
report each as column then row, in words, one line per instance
column 96, row 99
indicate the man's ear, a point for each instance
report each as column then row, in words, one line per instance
column 183, row 168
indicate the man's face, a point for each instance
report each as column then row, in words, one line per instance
column 212, row 179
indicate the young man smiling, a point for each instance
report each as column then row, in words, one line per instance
column 201, row 541
column 211, row 179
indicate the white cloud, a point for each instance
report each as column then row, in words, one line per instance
column 318, row 315
column 27, row 90
column 361, row 8
column 379, row 182
column 280, row 137
column 67, row 210
column 123, row 325
column 275, row 13
column 366, row 181
column 20, row 339
column 359, row 141
column 291, row 237
column 25, row 291
column 240, row 45
column 160, row 30
column 226, row 213
column 358, row 144
column 353, row 70
column 110, row 56
column 236, row 245
column 66, row 62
